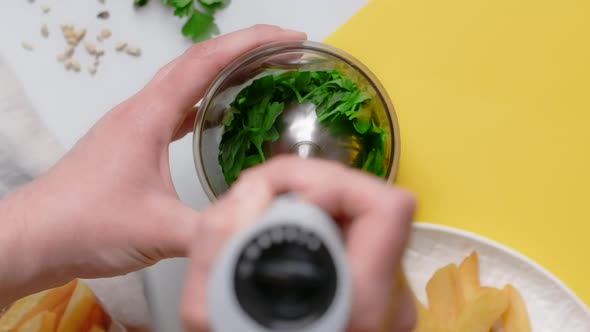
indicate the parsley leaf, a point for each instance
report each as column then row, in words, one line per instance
column 272, row 112
column 200, row 26
column 341, row 106
column 182, row 8
column 179, row 3
column 214, row 4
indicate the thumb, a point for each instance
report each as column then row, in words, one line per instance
column 173, row 231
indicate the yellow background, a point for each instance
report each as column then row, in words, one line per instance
column 493, row 99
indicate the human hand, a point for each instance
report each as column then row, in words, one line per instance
column 374, row 217
column 109, row 206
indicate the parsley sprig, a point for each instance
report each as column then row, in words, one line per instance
column 200, row 23
column 340, row 106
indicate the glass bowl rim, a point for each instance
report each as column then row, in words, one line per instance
column 283, row 47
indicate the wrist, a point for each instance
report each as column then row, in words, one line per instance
column 28, row 261
column 15, row 267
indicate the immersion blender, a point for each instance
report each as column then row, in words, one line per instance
column 287, row 272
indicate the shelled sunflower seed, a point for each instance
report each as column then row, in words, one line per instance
column 105, row 33
column 68, row 53
column 120, row 46
column 134, row 51
column 44, row 30
column 66, row 27
column 79, row 35
column 27, row 46
column 74, row 36
column 69, row 34
column 68, row 64
column 76, row 65
column 90, row 48
column 93, row 49
column 99, row 52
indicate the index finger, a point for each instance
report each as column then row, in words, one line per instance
column 339, row 190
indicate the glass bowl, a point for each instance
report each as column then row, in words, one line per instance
column 301, row 133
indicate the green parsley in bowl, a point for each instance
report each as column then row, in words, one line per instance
column 302, row 98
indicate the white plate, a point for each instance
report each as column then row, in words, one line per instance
column 551, row 305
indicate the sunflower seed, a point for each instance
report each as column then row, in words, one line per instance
column 99, row 52
column 27, row 46
column 103, row 15
column 134, row 51
column 69, row 52
column 75, row 65
column 73, row 37
column 68, row 32
column 44, row 30
column 120, row 46
column 68, row 64
column 80, row 34
column 66, row 27
column 105, row 33
column 90, row 48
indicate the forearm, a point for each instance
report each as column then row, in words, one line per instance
column 26, row 262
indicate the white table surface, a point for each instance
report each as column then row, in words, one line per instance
column 70, row 103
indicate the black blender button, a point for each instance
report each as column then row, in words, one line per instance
column 285, row 277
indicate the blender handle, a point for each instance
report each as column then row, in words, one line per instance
column 273, row 292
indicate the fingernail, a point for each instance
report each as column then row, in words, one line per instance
column 295, row 32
